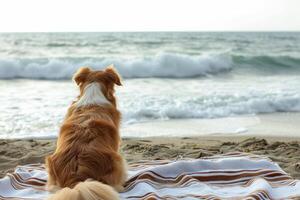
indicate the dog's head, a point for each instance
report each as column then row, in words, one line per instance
column 105, row 80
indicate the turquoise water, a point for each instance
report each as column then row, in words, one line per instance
column 166, row 75
column 58, row 55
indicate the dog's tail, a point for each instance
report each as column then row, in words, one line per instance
column 87, row 190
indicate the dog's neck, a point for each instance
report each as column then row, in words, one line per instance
column 92, row 95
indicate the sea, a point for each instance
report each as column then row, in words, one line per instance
column 166, row 76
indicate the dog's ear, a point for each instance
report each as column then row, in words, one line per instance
column 81, row 75
column 113, row 75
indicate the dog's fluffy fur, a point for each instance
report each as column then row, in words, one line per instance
column 86, row 163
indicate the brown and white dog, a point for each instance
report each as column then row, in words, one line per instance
column 86, row 163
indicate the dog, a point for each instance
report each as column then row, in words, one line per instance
column 86, row 163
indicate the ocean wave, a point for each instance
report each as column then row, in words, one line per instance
column 214, row 107
column 162, row 65
column 168, row 65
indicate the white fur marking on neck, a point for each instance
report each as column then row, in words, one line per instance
column 92, row 95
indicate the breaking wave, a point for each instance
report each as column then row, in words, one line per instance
column 167, row 65
column 162, row 65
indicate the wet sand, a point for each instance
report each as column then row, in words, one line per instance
column 268, row 125
column 283, row 150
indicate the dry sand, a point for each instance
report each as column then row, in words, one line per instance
column 284, row 151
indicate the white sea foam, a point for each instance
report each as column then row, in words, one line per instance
column 31, row 108
column 162, row 65
column 213, row 107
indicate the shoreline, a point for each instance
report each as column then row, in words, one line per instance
column 279, row 124
column 267, row 125
column 283, row 150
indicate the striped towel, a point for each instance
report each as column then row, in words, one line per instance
column 228, row 176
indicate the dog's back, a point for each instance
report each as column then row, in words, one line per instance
column 87, row 149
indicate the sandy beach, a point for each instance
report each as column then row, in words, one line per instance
column 283, row 150
column 274, row 136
